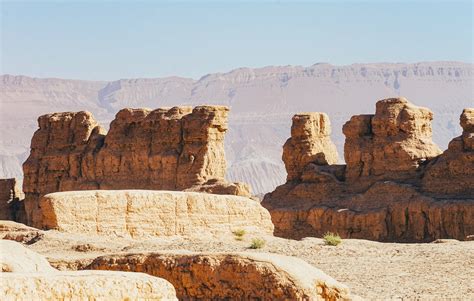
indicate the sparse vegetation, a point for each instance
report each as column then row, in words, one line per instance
column 257, row 243
column 239, row 234
column 332, row 239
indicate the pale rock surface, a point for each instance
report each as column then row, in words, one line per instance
column 170, row 148
column 395, row 186
column 19, row 232
column 238, row 276
column 141, row 213
column 27, row 275
column 15, row 258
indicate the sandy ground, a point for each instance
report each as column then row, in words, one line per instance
column 372, row 270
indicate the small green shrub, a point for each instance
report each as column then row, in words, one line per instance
column 332, row 239
column 257, row 243
column 239, row 234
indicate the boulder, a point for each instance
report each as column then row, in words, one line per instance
column 235, row 276
column 175, row 148
column 141, row 213
column 27, row 275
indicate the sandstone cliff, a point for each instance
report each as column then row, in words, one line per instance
column 396, row 185
column 174, row 149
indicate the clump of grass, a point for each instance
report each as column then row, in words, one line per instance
column 257, row 243
column 332, row 239
column 239, row 234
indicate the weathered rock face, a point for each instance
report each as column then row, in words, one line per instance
column 395, row 186
column 237, row 276
column 392, row 144
column 452, row 173
column 10, row 196
column 141, row 214
column 310, row 142
column 27, row 275
column 173, row 149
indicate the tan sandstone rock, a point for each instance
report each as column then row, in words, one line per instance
column 393, row 143
column 235, row 276
column 27, row 275
column 11, row 195
column 395, row 186
column 19, row 232
column 310, row 142
column 452, row 173
column 173, row 149
column 141, row 213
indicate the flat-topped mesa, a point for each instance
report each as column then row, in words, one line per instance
column 310, row 142
column 452, row 173
column 175, row 148
column 391, row 144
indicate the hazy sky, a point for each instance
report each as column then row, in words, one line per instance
column 120, row 39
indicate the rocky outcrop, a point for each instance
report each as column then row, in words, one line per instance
column 27, row 275
column 10, row 200
column 142, row 214
column 165, row 149
column 235, row 276
column 310, row 142
column 396, row 185
column 452, row 173
column 392, row 144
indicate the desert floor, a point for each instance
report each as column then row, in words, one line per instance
column 372, row 270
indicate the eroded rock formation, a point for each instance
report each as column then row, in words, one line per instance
column 146, row 214
column 10, row 195
column 27, row 275
column 452, row 173
column 310, row 141
column 396, row 185
column 173, row 149
column 235, row 276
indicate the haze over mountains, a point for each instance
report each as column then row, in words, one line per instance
column 262, row 102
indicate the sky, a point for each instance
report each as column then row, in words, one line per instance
column 109, row 40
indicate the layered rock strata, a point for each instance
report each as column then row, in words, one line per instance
column 235, row 276
column 142, row 214
column 396, row 185
column 27, row 275
column 165, row 149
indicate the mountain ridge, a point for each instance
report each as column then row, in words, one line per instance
column 262, row 101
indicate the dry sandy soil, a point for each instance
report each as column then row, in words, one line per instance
column 373, row 270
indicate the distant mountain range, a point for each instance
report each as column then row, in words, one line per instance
column 262, row 102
